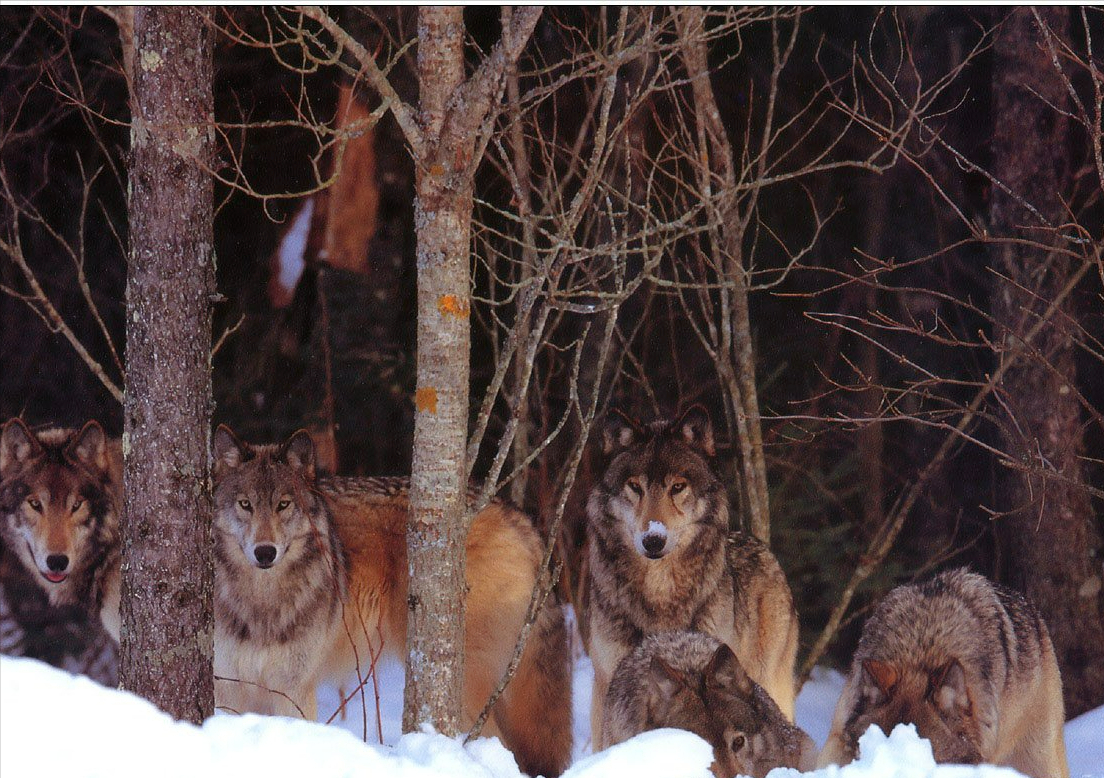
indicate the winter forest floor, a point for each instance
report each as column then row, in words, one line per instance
column 76, row 728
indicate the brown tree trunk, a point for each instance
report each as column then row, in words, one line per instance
column 436, row 534
column 1048, row 534
column 167, row 638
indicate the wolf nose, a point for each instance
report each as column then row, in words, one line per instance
column 653, row 544
column 265, row 555
column 57, row 563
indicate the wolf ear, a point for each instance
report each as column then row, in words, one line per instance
column 89, row 446
column 696, row 429
column 725, row 674
column 664, row 683
column 17, row 444
column 882, row 675
column 619, row 432
column 298, row 452
column 228, row 450
column 949, row 686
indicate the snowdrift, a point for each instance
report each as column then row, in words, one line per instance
column 51, row 721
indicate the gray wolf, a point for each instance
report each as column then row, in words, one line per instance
column 661, row 558
column 311, row 583
column 692, row 681
column 60, row 501
column 967, row 661
column 279, row 577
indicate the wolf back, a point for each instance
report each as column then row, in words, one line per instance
column 661, row 558
column 967, row 661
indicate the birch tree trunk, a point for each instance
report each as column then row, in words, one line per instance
column 435, row 537
column 167, row 638
column 1049, row 533
column 454, row 120
column 447, row 135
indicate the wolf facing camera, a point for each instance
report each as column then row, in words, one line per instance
column 661, row 558
column 311, row 584
column 60, row 500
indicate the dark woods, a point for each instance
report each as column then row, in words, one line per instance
column 866, row 241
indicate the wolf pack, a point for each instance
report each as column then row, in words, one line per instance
column 688, row 623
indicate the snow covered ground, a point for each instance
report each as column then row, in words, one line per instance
column 53, row 722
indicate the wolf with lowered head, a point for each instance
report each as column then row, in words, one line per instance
column 967, row 661
column 311, row 584
column 692, row 681
column 60, row 500
column 661, row 558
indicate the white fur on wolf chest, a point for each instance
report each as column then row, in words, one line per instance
column 271, row 634
column 267, row 672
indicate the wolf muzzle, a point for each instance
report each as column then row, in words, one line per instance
column 265, row 554
column 654, row 541
column 57, row 568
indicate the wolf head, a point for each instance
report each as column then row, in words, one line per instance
column 659, row 487
column 721, row 704
column 58, row 505
column 265, row 506
column 936, row 699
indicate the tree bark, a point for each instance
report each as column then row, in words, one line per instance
column 436, row 534
column 167, row 638
column 454, row 118
column 1048, row 534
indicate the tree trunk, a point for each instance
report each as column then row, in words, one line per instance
column 167, row 638
column 435, row 537
column 1048, row 534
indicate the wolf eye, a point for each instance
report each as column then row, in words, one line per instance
column 246, row 505
column 636, row 488
column 737, row 743
column 77, row 505
column 282, row 505
column 677, row 487
column 35, row 504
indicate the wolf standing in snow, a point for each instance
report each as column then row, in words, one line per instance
column 279, row 577
column 60, row 499
column 311, row 583
column 661, row 559
column 692, row 681
column 968, row 662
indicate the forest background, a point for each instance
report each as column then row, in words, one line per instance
column 867, row 240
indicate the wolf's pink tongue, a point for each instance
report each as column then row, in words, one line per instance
column 56, row 577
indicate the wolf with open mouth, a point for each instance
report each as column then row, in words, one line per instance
column 60, row 498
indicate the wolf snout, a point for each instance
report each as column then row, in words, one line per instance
column 653, row 542
column 653, row 545
column 57, row 567
column 265, row 554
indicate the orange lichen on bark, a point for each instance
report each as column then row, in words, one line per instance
column 451, row 304
column 425, row 399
